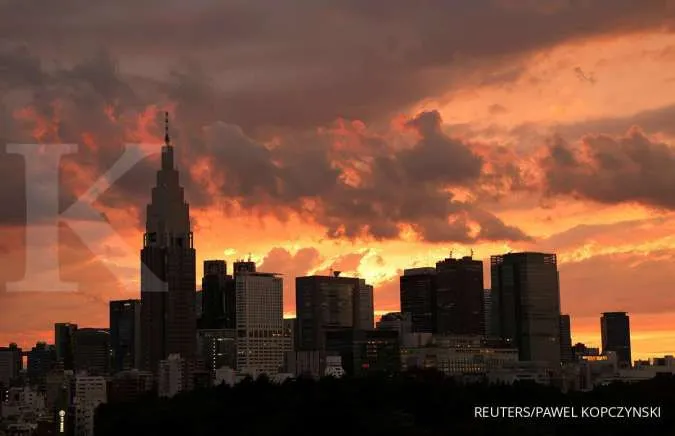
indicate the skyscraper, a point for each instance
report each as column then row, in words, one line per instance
column 125, row 334
column 91, row 350
column 566, row 353
column 168, row 274
column 366, row 306
column 260, row 336
column 526, row 304
column 487, row 312
column 218, row 297
column 63, row 341
column 459, row 297
column 615, row 331
column 418, row 297
column 323, row 303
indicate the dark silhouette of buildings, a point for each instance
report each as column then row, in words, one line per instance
column 459, row 297
column 418, row 297
column 41, row 358
column 218, row 297
column 526, row 304
column 243, row 266
column 324, row 303
column 168, row 318
column 362, row 351
column 566, row 353
column 11, row 364
column 91, row 349
column 125, row 334
column 63, row 340
column 615, row 331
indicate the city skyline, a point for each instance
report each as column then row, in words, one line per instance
column 313, row 150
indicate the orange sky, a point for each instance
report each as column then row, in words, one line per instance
column 348, row 157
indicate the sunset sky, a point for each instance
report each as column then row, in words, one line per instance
column 363, row 136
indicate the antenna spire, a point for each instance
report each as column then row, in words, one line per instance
column 167, row 138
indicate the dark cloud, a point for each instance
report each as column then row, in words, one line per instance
column 300, row 64
column 608, row 169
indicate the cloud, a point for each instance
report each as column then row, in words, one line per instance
column 611, row 170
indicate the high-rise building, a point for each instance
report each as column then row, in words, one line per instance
column 168, row 270
column 615, row 331
column 242, row 266
column 11, row 364
column 396, row 321
column 487, row 312
column 91, row 350
column 365, row 350
column 260, row 338
column 459, row 297
column 63, row 340
column 289, row 334
column 323, row 303
column 566, row 352
column 418, row 297
column 526, row 304
column 125, row 334
column 218, row 297
column 41, row 358
column 218, row 348
column 366, row 306
column 89, row 393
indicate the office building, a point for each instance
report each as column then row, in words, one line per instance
column 566, row 352
column 91, row 349
column 526, row 304
column 615, row 331
column 243, row 266
column 218, row 297
column 90, row 392
column 171, row 376
column 168, row 270
column 125, row 334
column 218, row 348
column 326, row 302
column 366, row 306
column 129, row 386
column 396, row 321
column 458, row 355
column 41, row 358
column 260, row 339
column 362, row 351
column 11, row 364
column 63, row 340
column 459, row 297
column 487, row 313
column 418, row 297
column 289, row 333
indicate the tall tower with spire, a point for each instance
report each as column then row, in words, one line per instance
column 168, row 269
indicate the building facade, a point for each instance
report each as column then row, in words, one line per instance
column 566, row 352
column 90, row 392
column 218, row 297
column 459, row 297
column 526, row 304
column 324, row 303
column 418, row 297
column 260, row 325
column 125, row 334
column 91, row 349
column 168, row 270
column 63, row 341
column 615, row 331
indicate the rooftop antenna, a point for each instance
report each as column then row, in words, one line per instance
column 472, row 253
column 450, row 254
column 249, row 257
column 167, row 138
